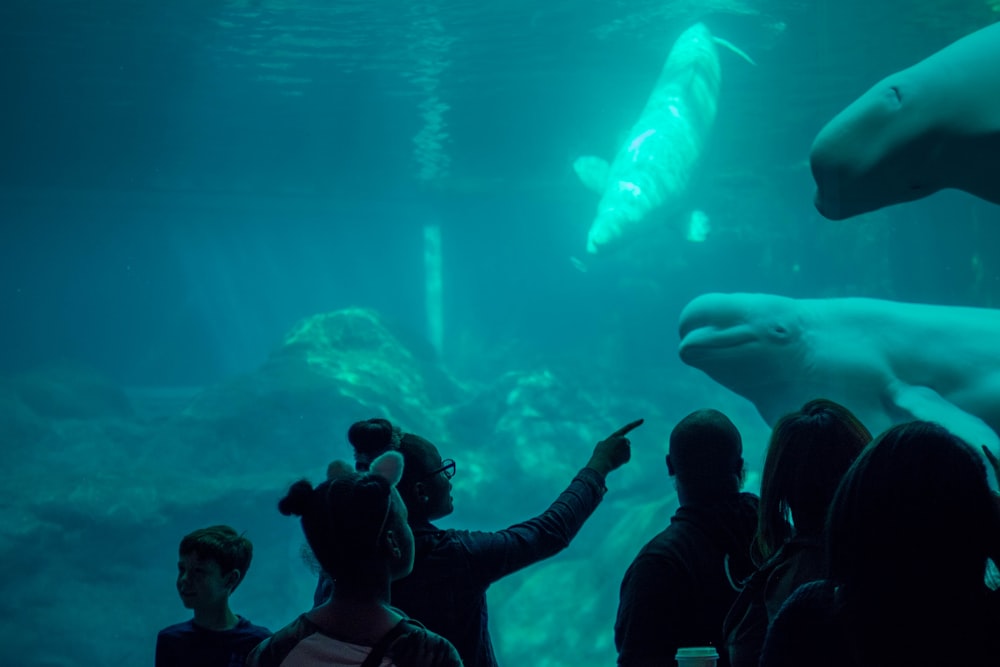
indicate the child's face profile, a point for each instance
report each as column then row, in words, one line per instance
column 201, row 583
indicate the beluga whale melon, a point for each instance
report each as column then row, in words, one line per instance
column 886, row 361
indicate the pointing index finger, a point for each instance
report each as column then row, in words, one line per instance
column 627, row 427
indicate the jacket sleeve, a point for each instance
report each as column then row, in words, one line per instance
column 492, row 556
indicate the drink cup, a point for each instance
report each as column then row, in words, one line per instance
column 697, row 656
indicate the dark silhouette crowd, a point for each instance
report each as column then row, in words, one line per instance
column 858, row 552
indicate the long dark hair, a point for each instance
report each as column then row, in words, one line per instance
column 808, row 453
column 908, row 537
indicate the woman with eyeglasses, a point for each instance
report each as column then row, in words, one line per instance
column 446, row 591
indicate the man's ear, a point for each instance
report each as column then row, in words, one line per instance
column 670, row 466
column 233, row 579
column 389, row 466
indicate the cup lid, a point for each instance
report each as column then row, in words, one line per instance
column 697, row 652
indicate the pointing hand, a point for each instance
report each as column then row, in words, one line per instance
column 614, row 451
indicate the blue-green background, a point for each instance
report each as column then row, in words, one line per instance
column 183, row 182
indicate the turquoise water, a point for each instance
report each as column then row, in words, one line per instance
column 183, row 184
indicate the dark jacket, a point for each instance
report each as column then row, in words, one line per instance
column 680, row 586
column 812, row 628
column 453, row 568
column 799, row 560
column 189, row 645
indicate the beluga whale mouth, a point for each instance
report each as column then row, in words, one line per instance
column 713, row 325
column 705, row 340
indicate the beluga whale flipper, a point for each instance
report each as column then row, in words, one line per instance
column 652, row 169
column 886, row 361
column 929, row 127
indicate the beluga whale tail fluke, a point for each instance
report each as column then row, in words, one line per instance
column 932, row 126
column 886, row 361
column 650, row 173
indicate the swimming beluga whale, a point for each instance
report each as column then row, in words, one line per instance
column 929, row 127
column 652, row 169
column 886, row 361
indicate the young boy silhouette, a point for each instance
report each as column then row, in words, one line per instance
column 213, row 562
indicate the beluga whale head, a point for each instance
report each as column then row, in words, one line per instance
column 876, row 152
column 743, row 341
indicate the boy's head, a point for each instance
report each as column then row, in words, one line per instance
column 213, row 562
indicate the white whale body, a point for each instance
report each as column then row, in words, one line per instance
column 886, row 361
column 653, row 168
column 932, row 126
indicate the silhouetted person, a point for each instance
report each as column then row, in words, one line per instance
column 808, row 453
column 681, row 584
column 453, row 568
column 908, row 535
column 356, row 526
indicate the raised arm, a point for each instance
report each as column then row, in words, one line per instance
column 497, row 554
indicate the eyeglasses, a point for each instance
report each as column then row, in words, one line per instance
column 447, row 467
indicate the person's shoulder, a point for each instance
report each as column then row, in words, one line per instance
column 664, row 545
column 806, row 630
column 273, row 648
column 419, row 647
column 820, row 590
column 811, row 601
column 177, row 629
column 301, row 626
column 659, row 560
column 794, row 565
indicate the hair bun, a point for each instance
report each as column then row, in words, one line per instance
column 297, row 500
column 371, row 435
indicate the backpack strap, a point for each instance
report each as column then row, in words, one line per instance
column 378, row 651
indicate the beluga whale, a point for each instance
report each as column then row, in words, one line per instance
column 887, row 361
column 652, row 169
column 932, row 126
